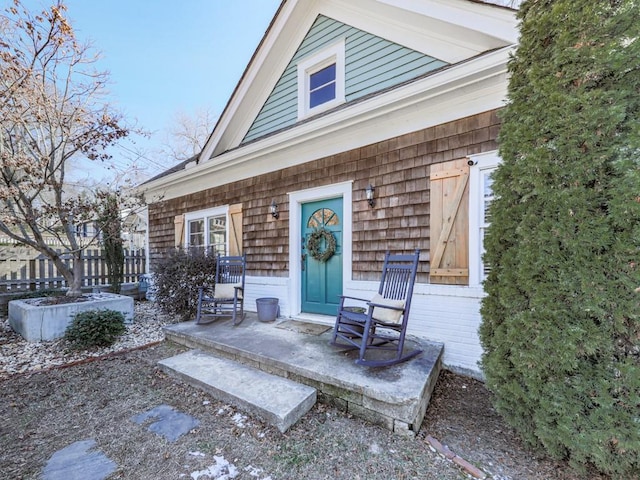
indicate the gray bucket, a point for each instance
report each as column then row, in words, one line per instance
column 267, row 309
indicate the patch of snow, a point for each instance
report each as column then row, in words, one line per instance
column 221, row 470
column 240, row 420
column 255, row 472
column 223, row 410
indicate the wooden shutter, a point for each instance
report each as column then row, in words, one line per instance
column 235, row 230
column 178, row 223
column 449, row 223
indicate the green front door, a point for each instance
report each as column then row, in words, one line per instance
column 321, row 279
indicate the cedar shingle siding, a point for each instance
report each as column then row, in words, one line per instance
column 398, row 168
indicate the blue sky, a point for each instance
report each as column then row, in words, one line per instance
column 166, row 56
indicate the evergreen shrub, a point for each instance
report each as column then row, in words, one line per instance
column 177, row 277
column 110, row 222
column 561, row 319
column 94, row 328
column 45, row 292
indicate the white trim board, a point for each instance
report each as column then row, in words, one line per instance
column 296, row 199
column 450, row 30
column 467, row 89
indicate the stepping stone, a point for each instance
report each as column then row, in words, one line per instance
column 278, row 401
column 78, row 462
column 170, row 423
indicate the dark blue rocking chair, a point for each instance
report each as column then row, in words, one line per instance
column 227, row 298
column 382, row 323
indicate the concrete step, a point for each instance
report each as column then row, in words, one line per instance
column 393, row 397
column 278, row 401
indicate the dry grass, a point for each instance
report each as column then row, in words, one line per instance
column 45, row 412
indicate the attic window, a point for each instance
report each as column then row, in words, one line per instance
column 321, row 81
column 322, row 86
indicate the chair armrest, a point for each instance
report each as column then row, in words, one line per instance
column 365, row 300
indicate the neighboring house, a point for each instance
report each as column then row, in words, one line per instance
column 134, row 228
column 402, row 95
column 84, row 232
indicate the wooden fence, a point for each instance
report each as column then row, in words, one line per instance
column 39, row 272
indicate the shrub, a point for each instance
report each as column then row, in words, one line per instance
column 177, row 277
column 45, row 292
column 561, row 325
column 110, row 222
column 94, row 328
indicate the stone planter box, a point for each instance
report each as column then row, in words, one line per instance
column 37, row 322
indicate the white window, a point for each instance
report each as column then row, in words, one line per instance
column 208, row 229
column 321, row 81
column 480, row 197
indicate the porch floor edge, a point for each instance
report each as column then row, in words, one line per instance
column 394, row 397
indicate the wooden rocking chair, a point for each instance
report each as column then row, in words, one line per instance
column 228, row 294
column 382, row 323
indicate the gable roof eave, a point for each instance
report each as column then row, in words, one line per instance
column 267, row 47
column 309, row 140
column 353, row 103
column 479, row 20
column 227, row 106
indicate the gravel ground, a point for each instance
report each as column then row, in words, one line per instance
column 44, row 409
column 20, row 356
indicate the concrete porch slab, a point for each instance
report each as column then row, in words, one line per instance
column 394, row 397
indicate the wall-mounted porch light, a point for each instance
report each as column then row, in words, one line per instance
column 369, row 191
column 273, row 209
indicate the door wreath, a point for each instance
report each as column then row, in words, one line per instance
column 314, row 241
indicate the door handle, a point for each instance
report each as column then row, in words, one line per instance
column 302, row 261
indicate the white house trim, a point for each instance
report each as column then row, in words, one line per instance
column 482, row 26
column 458, row 30
column 309, row 65
column 481, row 162
column 296, row 199
column 144, row 213
column 450, row 30
column 205, row 214
column 466, row 89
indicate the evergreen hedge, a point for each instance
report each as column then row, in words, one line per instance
column 561, row 327
column 110, row 222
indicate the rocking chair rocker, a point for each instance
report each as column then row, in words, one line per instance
column 382, row 323
column 228, row 294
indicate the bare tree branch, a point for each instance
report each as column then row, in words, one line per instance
column 52, row 110
column 187, row 135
